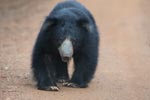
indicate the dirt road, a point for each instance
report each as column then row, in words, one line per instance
column 123, row 71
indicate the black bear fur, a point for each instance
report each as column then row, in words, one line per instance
column 67, row 19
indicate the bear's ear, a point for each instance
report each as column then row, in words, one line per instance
column 49, row 22
column 84, row 23
column 52, row 21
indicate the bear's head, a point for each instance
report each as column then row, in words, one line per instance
column 67, row 30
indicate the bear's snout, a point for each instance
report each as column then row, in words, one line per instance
column 66, row 50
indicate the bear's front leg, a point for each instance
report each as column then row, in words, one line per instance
column 85, row 66
column 43, row 72
column 61, row 71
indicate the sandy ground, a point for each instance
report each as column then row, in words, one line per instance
column 123, row 71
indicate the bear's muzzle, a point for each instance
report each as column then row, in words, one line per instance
column 66, row 50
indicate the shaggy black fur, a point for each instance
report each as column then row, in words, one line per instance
column 73, row 20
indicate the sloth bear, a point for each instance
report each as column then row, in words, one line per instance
column 69, row 31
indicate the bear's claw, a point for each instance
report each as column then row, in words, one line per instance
column 68, row 84
column 52, row 88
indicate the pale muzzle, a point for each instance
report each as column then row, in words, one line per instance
column 66, row 50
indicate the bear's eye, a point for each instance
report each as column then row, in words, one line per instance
column 73, row 41
column 60, row 40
